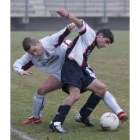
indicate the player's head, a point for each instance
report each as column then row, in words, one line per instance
column 104, row 37
column 32, row 46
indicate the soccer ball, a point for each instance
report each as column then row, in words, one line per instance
column 109, row 121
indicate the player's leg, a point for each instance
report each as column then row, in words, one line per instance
column 108, row 99
column 64, row 108
column 90, row 83
column 51, row 84
column 73, row 96
column 71, row 75
column 93, row 100
column 39, row 101
column 111, row 102
column 84, row 113
column 97, row 87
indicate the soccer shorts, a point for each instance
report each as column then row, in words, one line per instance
column 73, row 74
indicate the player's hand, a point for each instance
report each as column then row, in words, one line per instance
column 71, row 26
column 26, row 73
column 63, row 13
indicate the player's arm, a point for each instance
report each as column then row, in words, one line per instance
column 71, row 27
column 72, row 18
column 22, row 65
column 78, row 22
column 55, row 40
column 88, row 35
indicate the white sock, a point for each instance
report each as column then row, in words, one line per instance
column 111, row 102
column 39, row 102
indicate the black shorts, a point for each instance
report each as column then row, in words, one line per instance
column 73, row 74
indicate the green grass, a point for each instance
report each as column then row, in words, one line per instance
column 111, row 66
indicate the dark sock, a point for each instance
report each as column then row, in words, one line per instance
column 61, row 114
column 91, row 103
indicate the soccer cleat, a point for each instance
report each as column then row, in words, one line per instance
column 86, row 120
column 122, row 116
column 56, row 126
column 32, row 120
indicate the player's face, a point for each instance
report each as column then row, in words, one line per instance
column 36, row 50
column 102, row 42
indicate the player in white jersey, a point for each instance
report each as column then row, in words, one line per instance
column 46, row 54
column 77, row 77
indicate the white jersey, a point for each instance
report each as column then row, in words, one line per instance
column 53, row 56
column 82, row 45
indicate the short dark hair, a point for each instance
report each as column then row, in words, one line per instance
column 106, row 33
column 28, row 42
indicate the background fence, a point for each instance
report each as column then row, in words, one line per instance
column 24, row 10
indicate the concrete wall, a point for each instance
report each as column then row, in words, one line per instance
column 56, row 23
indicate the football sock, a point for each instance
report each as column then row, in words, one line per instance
column 61, row 114
column 91, row 103
column 111, row 102
column 39, row 102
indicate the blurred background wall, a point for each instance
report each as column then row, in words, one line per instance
column 33, row 15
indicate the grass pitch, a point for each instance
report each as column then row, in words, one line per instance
column 111, row 66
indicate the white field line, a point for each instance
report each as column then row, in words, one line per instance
column 21, row 134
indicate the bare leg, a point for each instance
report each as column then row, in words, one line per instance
column 51, row 84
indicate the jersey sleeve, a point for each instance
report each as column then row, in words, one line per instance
column 59, row 37
column 87, row 34
column 23, row 63
column 52, row 42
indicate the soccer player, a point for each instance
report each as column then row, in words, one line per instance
column 76, row 75
column 47, row 55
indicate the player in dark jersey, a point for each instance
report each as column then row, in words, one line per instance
column 76, row 75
